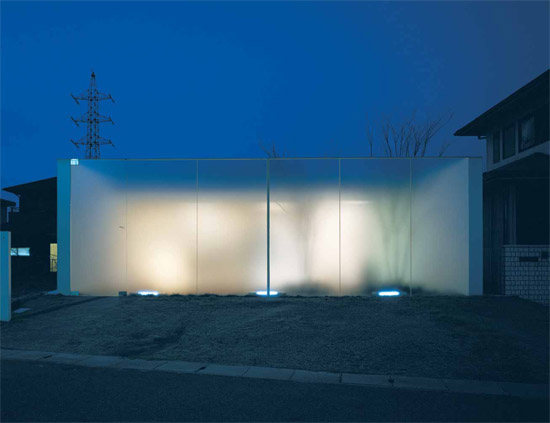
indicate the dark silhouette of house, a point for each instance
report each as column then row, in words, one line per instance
column 33, row 227
column 5, row 205
column 516, row 191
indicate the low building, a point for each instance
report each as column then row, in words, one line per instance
column 516, row 192
column 33, row 227
column 5, row 206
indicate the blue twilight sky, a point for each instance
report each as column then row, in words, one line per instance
column 210, row 79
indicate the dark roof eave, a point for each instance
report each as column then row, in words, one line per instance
column 7, row 203
column 14, row 189
column 478, row 126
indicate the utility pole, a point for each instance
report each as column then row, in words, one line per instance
column 92, row 118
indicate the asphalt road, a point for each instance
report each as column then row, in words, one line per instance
column 33, row 391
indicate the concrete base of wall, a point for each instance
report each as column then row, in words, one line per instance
column 5, row 277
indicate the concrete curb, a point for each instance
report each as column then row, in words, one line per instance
column 522, row 390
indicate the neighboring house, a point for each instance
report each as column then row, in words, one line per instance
column 4, row 206
column 33, row 227
column 516, row 192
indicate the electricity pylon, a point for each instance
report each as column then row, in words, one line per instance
column 92, row 118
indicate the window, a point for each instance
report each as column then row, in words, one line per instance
column 509, row 141
column 533, row 129
column 53, row 257
column 532, row 211
column 20, row 251
column 496, row 147
column 542, row 128
column 527, row 133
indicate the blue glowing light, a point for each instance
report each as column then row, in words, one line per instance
column 264, row 293
column 388, row 293
column 155, row 293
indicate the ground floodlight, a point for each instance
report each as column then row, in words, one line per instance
column 388, row 293
column 265, row 294
column 154, row 293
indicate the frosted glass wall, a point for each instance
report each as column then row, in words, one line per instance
column 375, row 226
column 232, row 239
column 161, row 226
column 304, row 214
column 335, row 226
column 440, row 222
column 98, row 227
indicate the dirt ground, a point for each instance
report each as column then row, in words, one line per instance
column 487, row 338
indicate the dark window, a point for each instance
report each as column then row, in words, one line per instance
column 532, row 212
column 527, row 133
column 533, row 129
column 509, row 141
column 496, row 147
column 542, row 125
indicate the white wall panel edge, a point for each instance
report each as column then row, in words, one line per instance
column 5, row 276
column 475, row 225
column 64, row 226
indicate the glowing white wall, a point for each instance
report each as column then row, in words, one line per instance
column 161, row 226
column 304, row 226
column 337, row 226
column 375, row 213
column 232, row 231
column 440, row 219
column 98, row 227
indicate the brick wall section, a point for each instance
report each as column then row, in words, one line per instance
column 526, row 272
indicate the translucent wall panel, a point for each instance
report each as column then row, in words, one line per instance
column 375, row 225
column 161, row 226
column 349, row 226
column 98, row 227
column 232, row 226
column 304, row 226
column 440, row 226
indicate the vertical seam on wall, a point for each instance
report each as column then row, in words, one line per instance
column 410, row 227
column 339, row 226
column 469, row 217
column 126, row 223
column 70, row 227
column 196, row 227
column 268, row 228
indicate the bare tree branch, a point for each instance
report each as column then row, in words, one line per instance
column 370, row 135
column 443, row 149
column 386, row 134
column 409, row 138
column 271, row 153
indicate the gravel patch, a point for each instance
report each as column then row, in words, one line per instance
column 41, row 303
column 482, row 338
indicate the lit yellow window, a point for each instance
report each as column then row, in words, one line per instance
column 53, row 257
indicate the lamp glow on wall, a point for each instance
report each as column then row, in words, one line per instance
column 337, row 226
